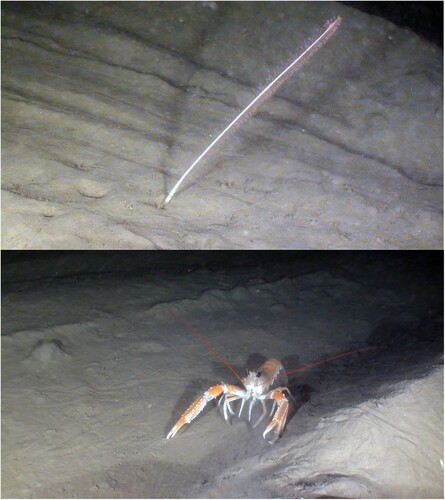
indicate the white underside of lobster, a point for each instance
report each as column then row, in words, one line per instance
column 258, row 386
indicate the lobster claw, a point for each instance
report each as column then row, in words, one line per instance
column 232, row 392
column 279, row 419
column 196, row 408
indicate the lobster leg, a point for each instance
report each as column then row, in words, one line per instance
column 234, row 396
column 241, row 407
column 263, row 414
column 199, row 404
column 250, row 407
column 279, row 419
column 226, row 405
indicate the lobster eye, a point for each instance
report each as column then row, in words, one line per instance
column 258, row 374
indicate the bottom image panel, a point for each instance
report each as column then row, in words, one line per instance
column 222, row 374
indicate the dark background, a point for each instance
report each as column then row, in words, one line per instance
column 23, row 267
column 424, row 18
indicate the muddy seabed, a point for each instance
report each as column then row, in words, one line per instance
column 96, row 370
column 106, row 104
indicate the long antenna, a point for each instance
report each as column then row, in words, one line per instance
column 337, row 356
column 223, row 360
column 208, row 344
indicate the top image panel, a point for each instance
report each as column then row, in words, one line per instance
column 309, row 125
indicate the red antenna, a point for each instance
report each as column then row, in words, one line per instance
column 208, row 344
column 219, row 356
column 337, row 356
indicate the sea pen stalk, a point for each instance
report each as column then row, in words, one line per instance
column 312, row 46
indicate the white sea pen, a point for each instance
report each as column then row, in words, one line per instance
column 312, row 46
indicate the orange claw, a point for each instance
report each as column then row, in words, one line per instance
column 279, row 419
column 196, row 408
